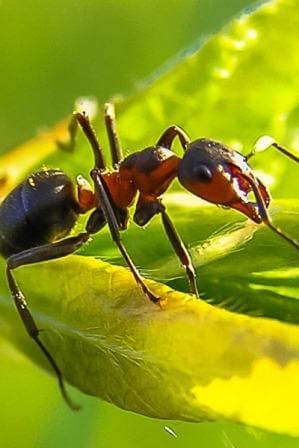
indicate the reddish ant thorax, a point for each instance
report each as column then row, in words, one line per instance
column 148, row 172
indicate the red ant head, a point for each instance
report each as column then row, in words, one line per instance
column 220, row 175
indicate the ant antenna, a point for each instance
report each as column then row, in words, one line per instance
column 265, row 142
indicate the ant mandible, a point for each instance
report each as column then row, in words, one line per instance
column 38, row 215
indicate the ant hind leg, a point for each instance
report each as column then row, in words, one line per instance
column 36, row 255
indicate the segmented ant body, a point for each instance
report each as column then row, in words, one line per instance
column 38, row 215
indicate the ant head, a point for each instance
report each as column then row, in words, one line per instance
column 213, row 172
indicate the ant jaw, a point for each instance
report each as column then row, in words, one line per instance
column 250, row 209
column 242, row 188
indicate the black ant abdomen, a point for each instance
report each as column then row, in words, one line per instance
column 43, row 208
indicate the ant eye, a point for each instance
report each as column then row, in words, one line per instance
column 202, row 173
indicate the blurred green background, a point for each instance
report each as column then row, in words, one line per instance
column 54, row 51
column 51, row 53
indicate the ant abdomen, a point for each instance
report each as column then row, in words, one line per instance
column 41, row 209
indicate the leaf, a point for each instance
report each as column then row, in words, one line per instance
column 190, row 360
column 187, row 361
column 235, row 268
column 15, row 164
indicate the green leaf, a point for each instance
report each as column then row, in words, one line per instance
column 16, row 163
column 235, row 268
column 189, row 360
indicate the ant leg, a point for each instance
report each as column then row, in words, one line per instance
column 35, row 255
column 262, row 208
column 106, row 202
column 180, row 249
column 169, row 135
column 107, row 207
column 115, row 146
column 265, row 142
column 83, row 120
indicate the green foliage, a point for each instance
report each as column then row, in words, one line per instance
column 54, row 51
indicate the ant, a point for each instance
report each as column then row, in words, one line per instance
column 37, row 217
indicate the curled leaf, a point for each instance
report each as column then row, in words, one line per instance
column 186, row 361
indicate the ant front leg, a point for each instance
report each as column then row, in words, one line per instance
column 169, row 135
column 263, row 212
column 262, row 144
column 36, row 255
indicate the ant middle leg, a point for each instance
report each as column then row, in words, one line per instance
column 145, row 211
column 31, row 256
column 179, row 248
